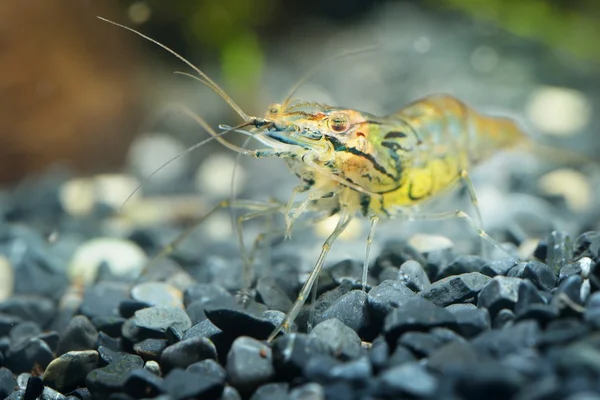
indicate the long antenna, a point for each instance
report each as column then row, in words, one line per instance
column 207, row 81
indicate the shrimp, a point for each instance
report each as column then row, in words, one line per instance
column 354, row 164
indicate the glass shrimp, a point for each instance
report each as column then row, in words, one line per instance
column 355, row 164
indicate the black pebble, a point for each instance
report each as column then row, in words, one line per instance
column 30, row 308
column 343, row 341
column 208, row 368
column 69, row 371
column 128, row 307
column 103, row 299
column 463, row 265
column 272, row 295
column 34, row 388
column 408, row 379
column 27, row 354
column 103, row 381
column 485, row 380
column 141, row 383
column 539, row 273
column 292, row 352
column 417, row 314
column 80, row 334
column 501, row 292
column 187, row 352
column 249, row 364
column 150, row 349
column 352, row 310
column 456, row 288
column 387, row 296
column 497, row 267
column 470, row 320
column 511, row 339
column 181, row 384
column 7, row 382
column 242, row 320
column 271, row 391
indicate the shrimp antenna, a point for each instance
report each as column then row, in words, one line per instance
column 315, row 68
column 206, row 80
column 214, row 136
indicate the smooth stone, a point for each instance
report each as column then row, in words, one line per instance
column 150, row 349
column 493, row 268
column 512, row 339
column 34, row 388
column 581, row 267
column 7, row 322
column 400, row 355
column 463, row 265
column 387, row 296
column 208, row 367
column 28, row 354
column 181, row 384
column 24, row 330
column 187, row 352
column 30, row 308
column 8, row 279
column 153, row 367
column 157, row 294
column 587, row 245
column 159, row 319
column 308, row 391
column 537, row 272
column 470, row 320
column 420, row 343
column 410, row 379
column 109, row 325
column 503, row 318
column 103, row 299
column 123, row 257
column 240, row 320
column 249, row 364
column 292, row 352
column 7, row 382
column 501, row 292
column 80, row 334
column 106, row 380
column 416, row 314
column 412, row 274
column 204, row 293
column 271, row 391
column 109, row 342
column 272, row 295
column 230, row 393
column 352, row 310
column 342, row 340
column 456, row 289
column 68, row 371
column 141, row 383
column 452, row 354
column 326, row 369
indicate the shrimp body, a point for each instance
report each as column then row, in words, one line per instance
column 398, row 160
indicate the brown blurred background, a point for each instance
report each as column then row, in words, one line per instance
column 74, row 90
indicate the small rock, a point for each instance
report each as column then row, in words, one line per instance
column 271, row 391
column 150, row 349
column 272, row 295
column 410, row 379
column 111, row 343
column 141, row 383
column 587, row 245
column 308, row 391
column 591, row 315
column 80, row 334
column 511, row 339
column 181, row 384
column 28, row 354
column 153, row 367
column 391, row 273
column 582, row 267
column 103, row 381
column 455, row 289
column 34, row 388
column 401, row 355
column 424, row 243
column 452, row 354
column 249, row 364
column 241, row 320
column 204, row 293
column 68, row 371
column 187, row 352
column 209, row 368
column 202, row 329
column 159, row 319
column 8, row 279
column 7, row 382
column 110, row 325
column 503, row 318
column 497, row 267
column 342, row 340
column 416, row 314
column 103, row 299
column 128, row 307
column 352, row 310
column 420, row 343
column 30, row 308
column 463, row 265
column 7, row 322
column 325, row 369
column 51, row 394
column 478, row 381
column 24, row 330
column 567, row 296
column 501, row 292
column 562, row 332
column 387, row 296
column 157, row 294
column 123, row 257
column 539, row 273
column 528, row 296
column 413, row 275
column 470, row 320
column 292, row 352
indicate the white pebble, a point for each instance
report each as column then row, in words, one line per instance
column 124, row 258
column 425, row 243
column 559, row 111
column 150, row 151
column 7, row 278
column 215, row 173
column 570, row 184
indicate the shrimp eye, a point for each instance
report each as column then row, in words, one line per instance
column 339, row 122
column 274, row 109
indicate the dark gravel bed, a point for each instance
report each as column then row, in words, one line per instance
column 430, row 326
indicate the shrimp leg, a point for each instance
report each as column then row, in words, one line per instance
column 308, row 285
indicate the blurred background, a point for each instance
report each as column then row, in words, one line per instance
column 79, row 97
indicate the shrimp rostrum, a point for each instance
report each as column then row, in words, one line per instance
column 355, row 164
